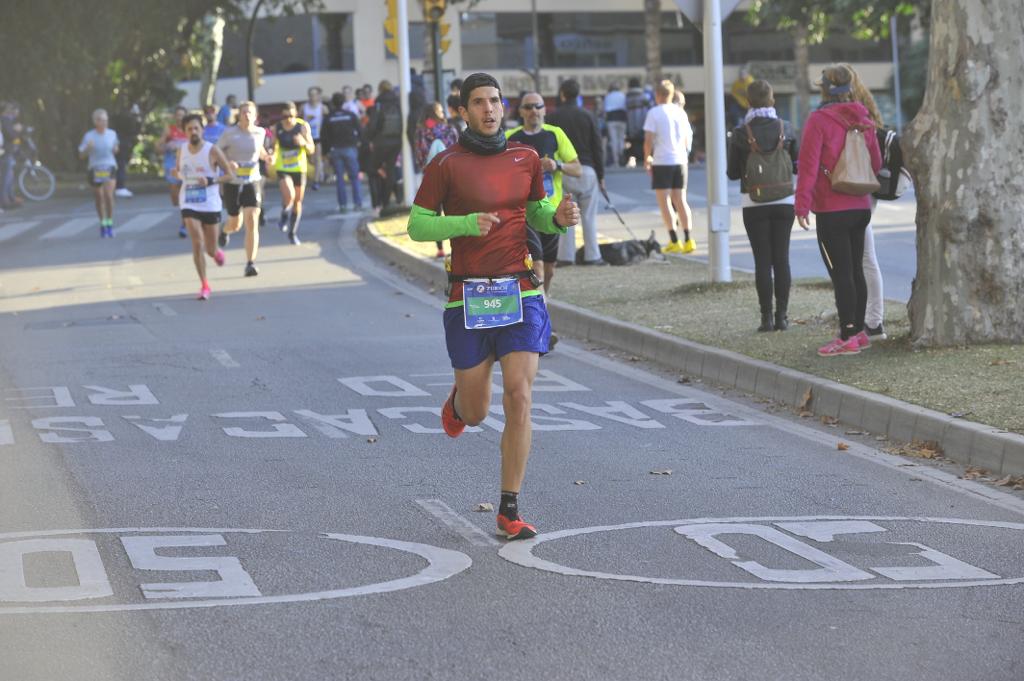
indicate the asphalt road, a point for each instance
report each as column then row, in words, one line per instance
column 256, row 487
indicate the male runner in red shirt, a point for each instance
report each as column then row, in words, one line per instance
column 488, row 188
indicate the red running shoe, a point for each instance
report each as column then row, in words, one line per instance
column 515, row 529
column 452, row 425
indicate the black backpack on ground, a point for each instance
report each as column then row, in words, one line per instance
column 893, row 177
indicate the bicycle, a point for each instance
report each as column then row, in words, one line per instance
column 35, row 180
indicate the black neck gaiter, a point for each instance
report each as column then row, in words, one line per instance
column 479, row 144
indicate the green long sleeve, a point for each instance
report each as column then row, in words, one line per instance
column 541, row 216
column 426, row 225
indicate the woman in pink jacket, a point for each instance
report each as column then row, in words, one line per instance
column 841, row 218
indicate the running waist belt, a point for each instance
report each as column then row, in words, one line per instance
column 459, row 278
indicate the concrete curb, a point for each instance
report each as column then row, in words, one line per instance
column 969, row 443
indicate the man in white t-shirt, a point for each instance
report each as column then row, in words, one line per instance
column 667, row 141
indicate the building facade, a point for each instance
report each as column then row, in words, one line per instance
column 344, row 44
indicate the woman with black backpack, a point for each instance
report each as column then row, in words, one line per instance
column 762, row 156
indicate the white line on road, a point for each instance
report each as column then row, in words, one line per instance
column 6, row 434
column 14, row 229
column 165, row 309
column 142, row 222
column 71, row 228
column 467, row 530
column 224, row 358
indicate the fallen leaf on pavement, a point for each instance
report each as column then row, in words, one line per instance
column 855, row 432
column 829, row 420
column 973, row 473
column 1001, row 362
column 961, row 414
column 799, row 321
column 842, row 446
column 371, row 439
column 806, row 401
column 1004, row 481
column 260, row 318
column 580, row 482
column 484, row 507
column 920, row 450
column 806, row 414
column 634, row 358
column 667, row 471
column 682, row 379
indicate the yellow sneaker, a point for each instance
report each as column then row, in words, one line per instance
column 689, row 246
column 673, row 247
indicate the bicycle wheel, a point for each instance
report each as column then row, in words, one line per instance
column 36, row 182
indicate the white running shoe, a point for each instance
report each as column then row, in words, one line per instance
column 123, row 193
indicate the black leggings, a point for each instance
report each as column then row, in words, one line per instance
column 841, row 242
column 768, row 228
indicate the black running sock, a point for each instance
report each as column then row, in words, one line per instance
column 673, row 236
column 293, row 222
column 284, row 217
column 509, row 506
column 686, row 235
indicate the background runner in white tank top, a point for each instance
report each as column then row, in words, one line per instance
column 195, row 195
column 314, row 115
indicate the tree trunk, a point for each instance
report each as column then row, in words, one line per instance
column 964, row 150
column 652, row 36
column 213, row 49
column 802, row 57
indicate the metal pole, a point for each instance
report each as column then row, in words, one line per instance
column 894, row 35
column 250, row 85
column 405, row 84
column 438, row 68
column 714, row 117
column 536, row 46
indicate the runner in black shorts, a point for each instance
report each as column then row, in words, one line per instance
column 202, row 168
column 293, row 142
column 243, row 146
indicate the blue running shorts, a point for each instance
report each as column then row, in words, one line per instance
column 468, row 347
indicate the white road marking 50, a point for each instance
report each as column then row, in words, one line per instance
column 89, row 588
column 940, row 569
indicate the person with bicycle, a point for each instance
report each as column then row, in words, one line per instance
column 100, row 146
column 11, row 129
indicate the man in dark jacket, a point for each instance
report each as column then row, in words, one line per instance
column 385, row 133
column 580, row 127
column 340, row 138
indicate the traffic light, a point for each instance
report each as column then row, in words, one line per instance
column 391, row 28
column 256, row 71
column 444, row 27
column 433, row 10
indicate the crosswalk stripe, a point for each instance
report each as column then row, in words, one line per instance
column 142, row 222
column 14, row 229
column 71, row 228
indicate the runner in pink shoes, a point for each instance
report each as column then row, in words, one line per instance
column 197, row 167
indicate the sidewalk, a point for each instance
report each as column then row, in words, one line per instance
column 668, row 314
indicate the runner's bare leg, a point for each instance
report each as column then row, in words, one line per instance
column 518, row 369
column 473, row 392
column 251, row 217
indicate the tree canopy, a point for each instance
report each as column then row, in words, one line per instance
column 65, row 59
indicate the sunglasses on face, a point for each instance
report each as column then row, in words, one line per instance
column 532, row 107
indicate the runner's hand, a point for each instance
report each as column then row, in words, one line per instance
column 547, row 164
column 805, row 221
column 568, row 213
column 485, row 221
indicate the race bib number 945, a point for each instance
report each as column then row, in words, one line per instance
column 491, row 304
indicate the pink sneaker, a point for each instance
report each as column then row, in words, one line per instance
column 863, row 342
column 204, row 292
column 218, row 258
column 838, row 346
